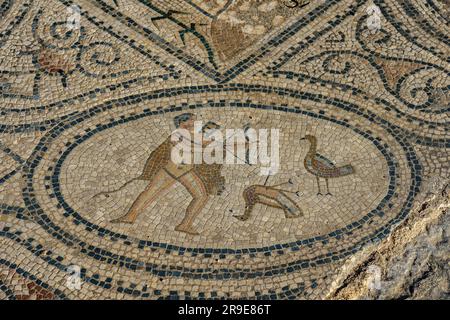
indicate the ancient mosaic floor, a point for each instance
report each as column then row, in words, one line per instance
column 82, row 109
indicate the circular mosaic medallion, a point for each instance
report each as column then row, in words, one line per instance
column 296, row 214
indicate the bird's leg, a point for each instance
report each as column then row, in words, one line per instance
column 182, row 34
column 328, row 190
column 63, row 78
column 318, row 186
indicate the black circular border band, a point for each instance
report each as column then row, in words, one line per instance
column 103, row 255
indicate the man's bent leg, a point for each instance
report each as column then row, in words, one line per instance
column 158, row 185
column 196, row 188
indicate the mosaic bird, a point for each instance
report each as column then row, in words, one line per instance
column 271, row 196
column 321, row 167
column 168, row 15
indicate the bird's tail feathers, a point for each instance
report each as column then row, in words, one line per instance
column 346, row 170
